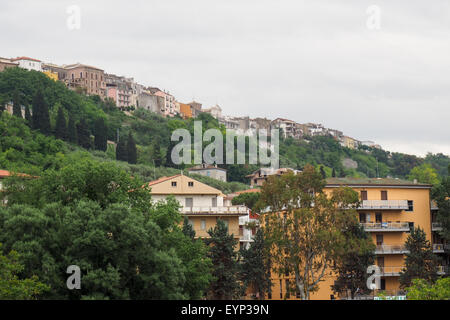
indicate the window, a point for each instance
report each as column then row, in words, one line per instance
column 384, row 195
column 190, row 183
column 363, row 195
column 189, row 202
column 174, row 183
column 379, row 239
column 214, row 202
column 203, row 224
column 382, row 284
column 362, row 218
column 378, row 217
column 410, row 205
column 380, row 262
column 191, row 223
column 281, row 289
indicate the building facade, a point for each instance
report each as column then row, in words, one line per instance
column 7, row 63
column 208, row 170
column 28, row 63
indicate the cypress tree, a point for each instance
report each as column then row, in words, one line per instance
column 101, row 138
column 72, row 131
column 17, row 109
column 131, row 150
column 28, row 115
column 322, row 172
column 84, row 136
column 41, row 117
column 121, row 151
column 333, row 174
column 61, row 126
column 157, row 153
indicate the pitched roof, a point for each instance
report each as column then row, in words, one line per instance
column 163, row 186
column 6, row 173
column 25, row 58
column 375, row 182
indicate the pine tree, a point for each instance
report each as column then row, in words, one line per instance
column 255, row 267
column 17, row 109
column 61, row 126
column 72, row 131
column 121, row 151
column 28, row 115
column 84, row 136
column 187, row 228
column 420, row 261
column 225, row 266
column 101, row 135
column 131, row 150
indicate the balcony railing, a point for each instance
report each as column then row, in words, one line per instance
column 239, row 210
column 390, row 271
column 386, row 226
column 384, row 205
column 436, row 226
column 438, row 248
column 390, row 249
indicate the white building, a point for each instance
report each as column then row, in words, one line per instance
column 29, row 63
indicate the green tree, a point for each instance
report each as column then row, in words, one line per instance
column 61, row 126
column 11, row 286
column 72, row 130
column 121, row 150
column 441, row 194
column 188, row 231
column 357, row 254
column 423, row 290
column 225, row 285
column 41, row 117
column 157, row 157
column 420, row 261
column 101, row 135
column 17, row 108
column 255, row 266
column 424, row 173
column 83, row 134
column 28, row 116
column 131, row 150
column 304, row 226
column 249, row 199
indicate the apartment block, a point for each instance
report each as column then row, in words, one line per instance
column 202, row 204
column 28, row 63
column 209, row 170
column 389, row 209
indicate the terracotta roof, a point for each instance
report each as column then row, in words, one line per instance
column 249, row 191
column 25, row 58
column 162, row 179
column 6, row 173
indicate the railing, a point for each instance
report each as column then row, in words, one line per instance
column 384, row 205
column 390, row 249
column 438, row 247
column 390, row 271
column 215, row 210
column 386, row 226
column 436, row 226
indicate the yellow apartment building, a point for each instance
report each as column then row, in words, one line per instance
column 389, row 209
column 202, row 204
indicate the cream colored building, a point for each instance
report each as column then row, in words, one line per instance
column 202, row 204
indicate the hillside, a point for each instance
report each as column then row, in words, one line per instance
column 25, row 149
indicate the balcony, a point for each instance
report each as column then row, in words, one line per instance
column 390, row 271
column 386, row 226
column 384, row 205
column 438, row 248
column 436, row 226
column 390, row 249
column 229, row 210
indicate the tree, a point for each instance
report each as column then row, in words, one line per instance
column 223, row 255
column 28, row 115
column 41, row 117
column 249, row 199
column 441, row 194
column 157, row 157
column 61, row 126
column 131, row 150
column 424, row 173
column 11, row 286
column 357, row 254
column 188, row 231
column 121, row 151
column 83, row 134
column 422, row 290
column 72, row 130
column 420, row 261
column 17, row 108
column 101, row 135
column 322, row 172
column 333, row 173
column 304, row 226
column 255, row 266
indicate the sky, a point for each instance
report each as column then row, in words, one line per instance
column 376, row 70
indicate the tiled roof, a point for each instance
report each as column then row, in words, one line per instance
column 162, row 179
column 25, row 58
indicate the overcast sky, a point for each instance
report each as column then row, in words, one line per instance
column 309, row 61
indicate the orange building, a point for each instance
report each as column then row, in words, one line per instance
column 389, row 209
